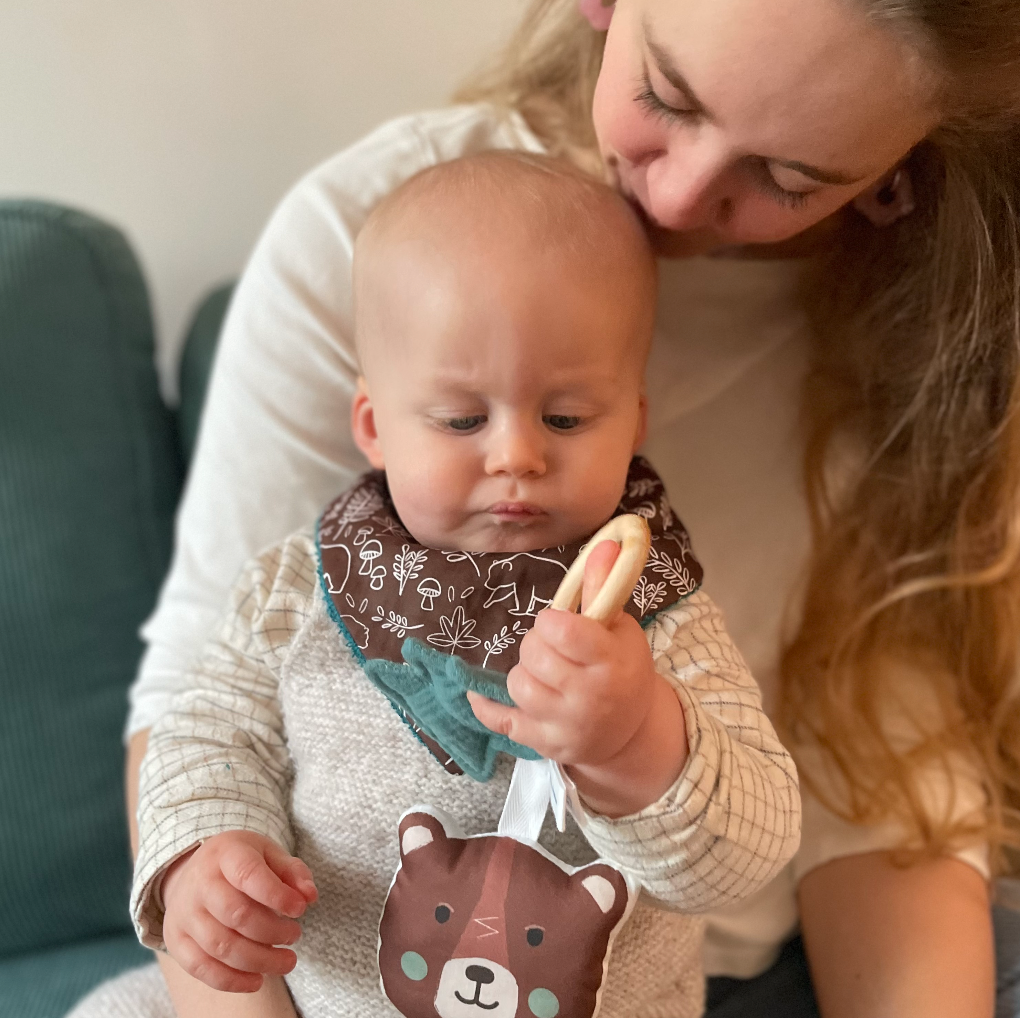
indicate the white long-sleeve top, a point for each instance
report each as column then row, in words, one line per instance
column 281, row 733
column 724, row 383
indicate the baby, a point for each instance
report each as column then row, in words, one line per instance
column 504, row 311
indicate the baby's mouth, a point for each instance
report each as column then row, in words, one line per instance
column 515, row 512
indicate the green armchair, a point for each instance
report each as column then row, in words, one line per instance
column 91, row 467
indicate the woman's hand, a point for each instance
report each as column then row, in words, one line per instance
column 226, row 905
column 589, row 697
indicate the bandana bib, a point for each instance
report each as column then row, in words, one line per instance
column 429, row 625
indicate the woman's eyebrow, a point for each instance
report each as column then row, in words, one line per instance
column 671, row 73
column 669, row 70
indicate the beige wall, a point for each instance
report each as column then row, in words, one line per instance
column 184, row 121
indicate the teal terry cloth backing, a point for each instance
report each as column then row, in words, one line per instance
column 89, row 479
column 431, row 687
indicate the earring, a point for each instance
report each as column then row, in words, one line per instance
column 884, row 203
column 598, row 12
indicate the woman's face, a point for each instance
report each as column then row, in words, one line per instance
column 739, row 122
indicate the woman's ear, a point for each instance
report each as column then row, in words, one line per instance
column 366, row 437
column 642, row 427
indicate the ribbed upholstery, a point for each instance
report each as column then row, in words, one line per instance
column 196, row 363
column 47, row 984
column 89, row 478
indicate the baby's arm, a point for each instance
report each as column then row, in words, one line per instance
column 213, row 866
column 686, row 783
column 731, row 820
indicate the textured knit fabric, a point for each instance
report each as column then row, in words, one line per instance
column 141, row 993
column 724, row 387
column 89, row 479
column 331, row 783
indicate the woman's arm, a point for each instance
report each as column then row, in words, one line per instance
column 193, row 999
column 890, row 942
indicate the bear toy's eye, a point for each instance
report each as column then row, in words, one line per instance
column 443, row 913
column 535, row 935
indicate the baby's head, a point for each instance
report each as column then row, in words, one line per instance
column 504, row 310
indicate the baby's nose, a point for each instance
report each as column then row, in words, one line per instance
column 517, row 450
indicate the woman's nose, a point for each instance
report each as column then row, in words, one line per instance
column 516, row 449
column 686, row 189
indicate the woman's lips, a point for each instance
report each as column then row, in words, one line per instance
column 515, row 512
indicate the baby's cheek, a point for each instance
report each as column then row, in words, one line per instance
column 428, row 502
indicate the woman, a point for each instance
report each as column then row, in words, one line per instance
column 850, row 164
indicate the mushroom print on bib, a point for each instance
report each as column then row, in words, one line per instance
column 429, row 625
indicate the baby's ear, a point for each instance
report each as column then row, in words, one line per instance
column 366, row 436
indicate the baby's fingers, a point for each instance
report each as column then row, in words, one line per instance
column 509, row 721
column 597, row 569
column 292, row 871
column 237, row 911
column 237, row 952
column 201, row 966
column 246, row 868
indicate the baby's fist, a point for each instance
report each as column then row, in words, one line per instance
column 227, row 904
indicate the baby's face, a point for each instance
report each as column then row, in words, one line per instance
column 503, row 397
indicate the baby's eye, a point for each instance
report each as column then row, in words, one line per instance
column 464, row 423
column 561, row 422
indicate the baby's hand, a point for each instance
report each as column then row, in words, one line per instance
column 589, row 697
column 225, row 904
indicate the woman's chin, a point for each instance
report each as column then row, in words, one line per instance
column 692, row 243
column 683, row 243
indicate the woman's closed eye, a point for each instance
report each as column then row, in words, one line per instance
column 759, row 168
column 648, row 98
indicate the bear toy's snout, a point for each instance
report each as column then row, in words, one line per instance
column 471, row 987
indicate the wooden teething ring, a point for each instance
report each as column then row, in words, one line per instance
column 631, row 533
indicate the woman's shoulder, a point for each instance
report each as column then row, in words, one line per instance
column 343, row 189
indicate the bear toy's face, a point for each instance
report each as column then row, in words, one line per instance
column 488, row 927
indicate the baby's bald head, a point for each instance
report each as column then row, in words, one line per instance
column 483, row 220
column 504, row 310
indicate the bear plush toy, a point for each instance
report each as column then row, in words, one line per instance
column 493, row 925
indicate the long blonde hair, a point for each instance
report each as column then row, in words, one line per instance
column 915, row 568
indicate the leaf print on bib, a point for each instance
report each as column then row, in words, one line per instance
column 648, row 596
column 672, row 569
column 455, row 632
column 392, row 621
column 407, row 565
column 500, row 641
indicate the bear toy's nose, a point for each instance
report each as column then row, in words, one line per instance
column 479, row 974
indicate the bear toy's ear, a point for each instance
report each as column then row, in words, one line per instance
column 418, row 830
column 608, row 889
